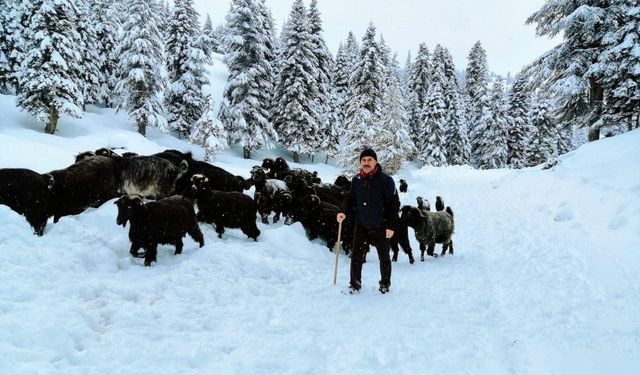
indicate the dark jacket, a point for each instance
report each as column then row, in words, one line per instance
column 374, row 201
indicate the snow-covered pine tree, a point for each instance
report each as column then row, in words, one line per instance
column 544, row 139
column 518, row 132
column 107, row 36
column 477, row 79
column 352, row 49
column 369, row 75
column 405, row 78
column 432, row 146
column 91, row 60
column 244, row 112
column 48, row 76
column 165, row 14
column 394, row 143
column 359, row 134
column 218, row 35
column 209, row 132
column 567, row 69
column 184, row 100
column 16, row 25
column 5, row 48
column 619, row 65
column 456, row 139
column 272, row 46
column 297, row 115
column 341, row 83
column 327, row 135
column 364, row 105
column 458, row 148
column 141, row 67
column 418, row 89
column 207, row 29
column 493, row 148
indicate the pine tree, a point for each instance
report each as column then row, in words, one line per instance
column 48, row 75
column 405, row 79
column 107, row 36
column 341, row 83
column 352, row 49
column 619, row 64
column 5, row 48
column 164, row 15
column 458, row 148
column 545, row 136
column 91, row 60
column 477, row 78
column 16, row 25
column 358, row 133
column 207, row 29
column 185, row 63
column 327, row 135
column 209, row 132
column 493, row 149
column 394, row 142
column 432, row 149
column 518, row 130
column 218, row 35
column 568, row 69
column 297, row 117
column 418, row 89
column 244, row 110
column 364, row 105
column 141, row 79
column 369, row 74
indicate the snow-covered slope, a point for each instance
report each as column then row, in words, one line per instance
column 544, row 278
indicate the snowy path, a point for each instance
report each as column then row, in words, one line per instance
column 522, row 294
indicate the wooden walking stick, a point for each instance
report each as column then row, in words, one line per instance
column 335, row 268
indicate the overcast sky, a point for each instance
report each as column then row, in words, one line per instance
column 455, row 24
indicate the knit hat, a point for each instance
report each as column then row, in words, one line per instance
column 368, row 152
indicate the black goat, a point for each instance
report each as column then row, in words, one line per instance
column 430, row 228
column 399, row 239
column 150, row 176
column 27, row 193
column 403, row 186
column 271, row 195
column 219, row 179
column 164, row 221
column 423, row 205
column 439, row 204
column 87, row 183
column 319, row 221
column 225, row 209
column 343, row 182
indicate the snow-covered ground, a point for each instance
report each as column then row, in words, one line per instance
column 545, row 278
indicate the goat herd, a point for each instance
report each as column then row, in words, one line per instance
column 175, row 181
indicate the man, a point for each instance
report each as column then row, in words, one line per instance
column 373, row 199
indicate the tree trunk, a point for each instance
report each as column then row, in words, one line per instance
column 312, row 157
column 326, row 159
column 52, row 123
column 630, row 123
column 596, row 96
column 246, row 152
column 296, row 157
column 142, row 127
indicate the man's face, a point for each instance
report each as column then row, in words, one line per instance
column 367, row 164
